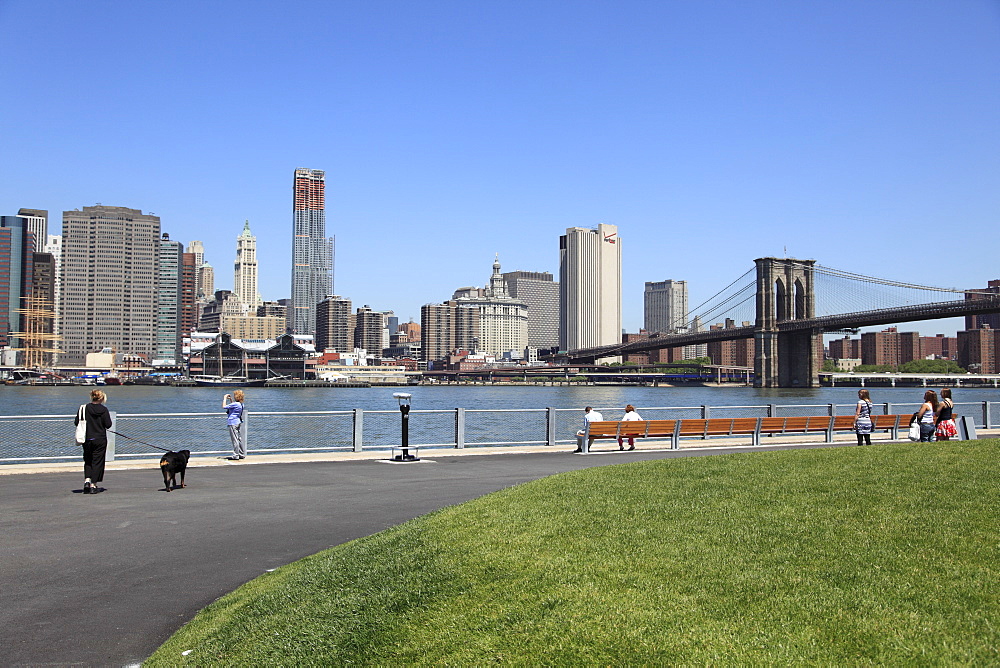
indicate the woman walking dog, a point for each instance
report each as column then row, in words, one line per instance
column 95, row 445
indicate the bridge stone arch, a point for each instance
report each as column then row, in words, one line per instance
column 786, row 291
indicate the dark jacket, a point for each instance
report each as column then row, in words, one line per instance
column 98, row 421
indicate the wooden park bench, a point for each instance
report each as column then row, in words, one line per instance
column 704, row 428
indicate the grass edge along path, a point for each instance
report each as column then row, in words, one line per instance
column 874, row 555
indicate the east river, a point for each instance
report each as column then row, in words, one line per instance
column 41, row 400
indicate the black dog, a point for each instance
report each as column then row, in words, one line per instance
column 171, row 464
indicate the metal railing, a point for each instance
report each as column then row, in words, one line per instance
column 49, row 438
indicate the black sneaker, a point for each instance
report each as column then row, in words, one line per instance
column 87, row 488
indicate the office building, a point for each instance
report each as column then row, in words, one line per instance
column 541, row 295
column 665, row 307
column 312, row 250
column 333, row 325
column 447, row 327
column 245, row 271
column 109, row 283
column 17, row 248
column 38, row 225
column 590, row 295
column 197, row 250
column 168, row 304
column 411, row 330
column 39, row 339
column 503, row 320
column 53, row 246
column 206, row 282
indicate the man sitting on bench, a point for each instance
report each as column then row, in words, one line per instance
column 589, row 415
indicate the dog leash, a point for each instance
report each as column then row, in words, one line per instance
column 138, row 441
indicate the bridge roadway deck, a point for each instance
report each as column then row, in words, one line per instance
column 103, row 580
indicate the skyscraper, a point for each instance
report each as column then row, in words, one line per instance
column 312, row 250
column 38, row 225
column 168, row 305
column 110, row 272
column 17, row 247
column 541, row 295
column 245, row 271
column 665, row 305
column 197, row 250
column 445, row 328
column 590, row 292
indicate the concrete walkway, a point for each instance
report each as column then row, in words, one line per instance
column 104, row 579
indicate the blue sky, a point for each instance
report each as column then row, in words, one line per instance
column 864, row 135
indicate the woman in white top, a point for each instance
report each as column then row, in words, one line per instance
column 630, row 416
column 925, row 416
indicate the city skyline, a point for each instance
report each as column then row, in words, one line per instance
column 493, row 128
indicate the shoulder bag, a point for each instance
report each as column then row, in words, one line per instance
column 81, row 425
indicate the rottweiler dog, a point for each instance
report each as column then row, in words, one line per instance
column 171, row 464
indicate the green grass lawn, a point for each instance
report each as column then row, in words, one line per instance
column 887, row 554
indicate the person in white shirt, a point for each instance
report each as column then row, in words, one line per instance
column 630, row 416
column 589, row 415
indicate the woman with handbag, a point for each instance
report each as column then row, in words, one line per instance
column 863, row 424
column 925, row 416
column 95, row 444
column 944, row 417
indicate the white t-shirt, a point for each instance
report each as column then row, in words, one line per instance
column 631, row 416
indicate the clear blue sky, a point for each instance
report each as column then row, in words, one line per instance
column 865, row 135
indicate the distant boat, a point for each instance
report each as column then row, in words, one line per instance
column 228, row 381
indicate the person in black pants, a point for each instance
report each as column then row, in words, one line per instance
column 98, row 422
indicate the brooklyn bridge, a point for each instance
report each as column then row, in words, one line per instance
column 790, row 304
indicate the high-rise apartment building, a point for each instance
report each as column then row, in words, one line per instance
column 541, row 295
column 447, row 327
column 168, row 305
column 973, row 322
column 369, row 334
column 17, row 248
column 245, row 271
column 979, row 350
column 333, row 325
column 189, row 294
column 312, row 250
column 38, row 225
column 110, row 276
column 590, row 294
column 665, row 307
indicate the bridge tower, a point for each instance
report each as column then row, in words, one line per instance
column 785, row 291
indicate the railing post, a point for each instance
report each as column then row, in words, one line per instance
column 359, row 421
column 831, row 410
column 987, row 422
column 109, row 454
column 460, row 428
column 705, row 411
column 550, row 426
column 885, row 407
column 770, row 410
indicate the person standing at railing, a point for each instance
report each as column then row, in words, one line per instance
column 630, row 416
column 863, row 423
column 96, row 444
column 925, row 416
column 233, row 405
column 944, row 417
column 589, row 415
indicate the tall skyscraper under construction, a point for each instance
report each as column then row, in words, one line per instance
column 312, row 250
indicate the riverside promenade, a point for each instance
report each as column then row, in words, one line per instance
column 103, row 580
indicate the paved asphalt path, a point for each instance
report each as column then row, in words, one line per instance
column 103, row 580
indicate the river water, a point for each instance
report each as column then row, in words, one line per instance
column 36, row 423
column 37, row 400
